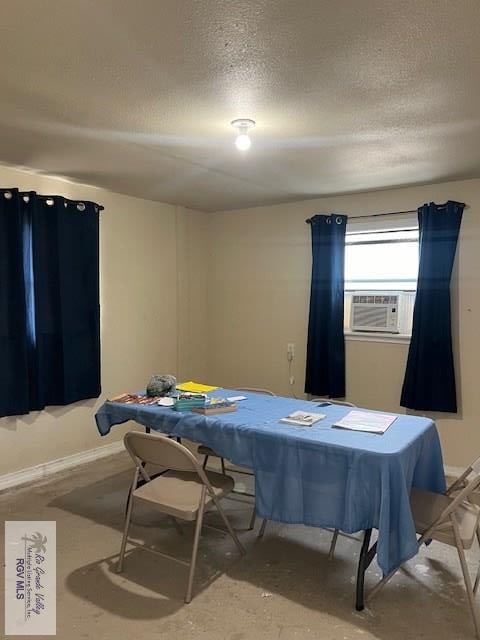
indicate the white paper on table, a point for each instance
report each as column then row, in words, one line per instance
column 166, row 402
column 366, row 421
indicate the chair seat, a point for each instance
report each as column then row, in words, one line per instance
column 203, row 450
column 427, row 507
column 178, row 493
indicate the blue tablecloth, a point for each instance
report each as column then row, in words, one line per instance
column 319, row 475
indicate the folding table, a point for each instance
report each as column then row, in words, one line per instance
column 319, row 476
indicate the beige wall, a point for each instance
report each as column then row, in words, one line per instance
column 259, row 274
column 141, row 253
column 191, row 234
column 216, row 297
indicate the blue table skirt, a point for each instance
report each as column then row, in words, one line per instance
column 319, row 475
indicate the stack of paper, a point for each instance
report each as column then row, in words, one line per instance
column 366, row 421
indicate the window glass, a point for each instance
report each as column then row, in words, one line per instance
column 382, row 261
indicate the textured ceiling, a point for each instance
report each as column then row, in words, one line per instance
column 137, row 96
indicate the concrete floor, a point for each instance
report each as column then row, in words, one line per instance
column 285, row 588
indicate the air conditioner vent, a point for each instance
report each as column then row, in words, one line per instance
column 372, row 315
column 376, row 311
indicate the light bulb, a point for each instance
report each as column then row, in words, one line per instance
column 243, row 126
column 243, row 142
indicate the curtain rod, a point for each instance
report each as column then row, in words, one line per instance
column 376, row 215
column 99, row 207
column 50, row 200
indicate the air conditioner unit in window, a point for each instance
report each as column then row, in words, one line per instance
column 379, row 311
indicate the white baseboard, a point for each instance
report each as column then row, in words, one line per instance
column 30, row 474
column 455, row 472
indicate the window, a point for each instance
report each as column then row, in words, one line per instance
column 381, row 261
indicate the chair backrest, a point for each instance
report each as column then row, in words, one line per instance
column 462, row 497
column 265, row 392
column 461, row 482
column 161, row 451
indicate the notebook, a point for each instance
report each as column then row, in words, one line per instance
column 195, row 387
column 302, row 418
column 366, row 421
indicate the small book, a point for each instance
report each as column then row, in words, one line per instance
column 213, row 410
column 195, row 387
column 302, row 418
column 366, row 421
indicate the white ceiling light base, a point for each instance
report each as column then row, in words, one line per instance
column 243, row 125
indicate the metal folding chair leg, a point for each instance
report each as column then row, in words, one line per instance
column 177, row 525
column 333, row 544
column 381, row 583
column 262, row 528
column 477, row 579
column 196, row 539
column 229, row 526
column 253, row 517
column 222, row 462
column 466, row 577
column 125, row 534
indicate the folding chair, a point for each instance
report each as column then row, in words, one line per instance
column 451, row 519
column 183, row 492
column 210, row 453
column 453, row 489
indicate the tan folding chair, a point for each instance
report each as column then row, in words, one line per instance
column 453, row 520
column 455, row 485
column 210, row 453
column 183, row 492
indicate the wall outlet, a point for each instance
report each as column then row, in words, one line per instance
column 290, row 351
column 291, row 380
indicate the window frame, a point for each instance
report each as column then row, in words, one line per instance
column 399, row 223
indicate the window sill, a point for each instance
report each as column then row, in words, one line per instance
column 394, row 338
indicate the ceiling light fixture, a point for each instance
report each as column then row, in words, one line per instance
column 243, row 125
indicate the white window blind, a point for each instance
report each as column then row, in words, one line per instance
column 381, row 255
